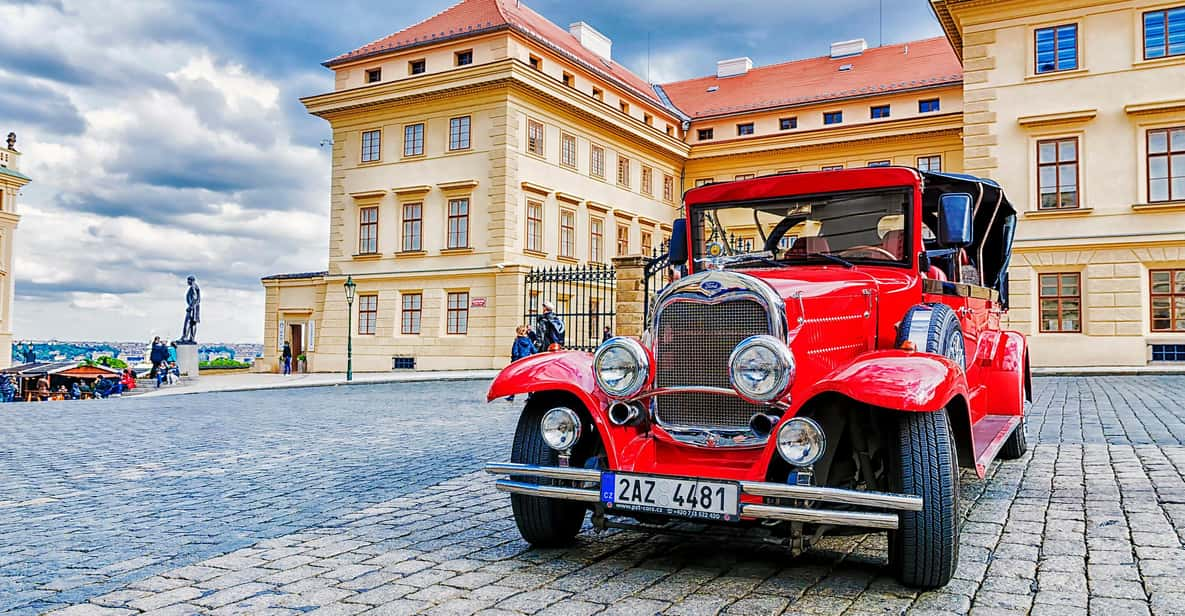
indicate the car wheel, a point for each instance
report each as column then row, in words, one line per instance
column 543, row 522
column 924, row 550
column 934, row 329
column 1016, row 445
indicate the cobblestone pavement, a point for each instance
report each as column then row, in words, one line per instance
column 1090, row 521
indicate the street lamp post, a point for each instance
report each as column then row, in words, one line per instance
column 350, row 287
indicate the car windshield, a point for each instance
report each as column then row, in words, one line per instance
column 847, row 228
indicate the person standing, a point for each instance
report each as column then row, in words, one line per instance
column 159, row 355
column 7, row 390
column 286, row 358
column 549, row 329
column 523, row 347
column 43, row 388
column 606, row 334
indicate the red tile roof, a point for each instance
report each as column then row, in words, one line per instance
column 881, row 70
column 471, row 17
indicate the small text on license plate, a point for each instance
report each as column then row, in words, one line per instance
column 685, row 497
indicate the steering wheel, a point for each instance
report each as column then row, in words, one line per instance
column 867, row 248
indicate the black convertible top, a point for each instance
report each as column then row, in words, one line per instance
column 994, row 222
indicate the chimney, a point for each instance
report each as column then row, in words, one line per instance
column 843, row 49
column 733, row 67
column 592, row 40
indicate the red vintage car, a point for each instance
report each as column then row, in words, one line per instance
column 830, row 360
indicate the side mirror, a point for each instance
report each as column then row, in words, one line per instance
column 954, row 220
column 678, row 245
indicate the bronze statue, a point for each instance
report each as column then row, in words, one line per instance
column 12, row 141
column 193, row 301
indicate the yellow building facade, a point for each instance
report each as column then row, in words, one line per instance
column 11, row 182
column 487, row 141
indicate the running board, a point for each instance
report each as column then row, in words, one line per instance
column 993, row 431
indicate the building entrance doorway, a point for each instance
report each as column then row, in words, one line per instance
column 296, row 340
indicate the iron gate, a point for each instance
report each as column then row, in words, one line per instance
column 584, row 297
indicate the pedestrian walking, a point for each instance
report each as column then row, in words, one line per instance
column 286, row 358
column 549, row 329
column 523, row 347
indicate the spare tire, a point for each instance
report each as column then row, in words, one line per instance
column 934, row 328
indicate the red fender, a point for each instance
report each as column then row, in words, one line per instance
column 1005, row 373
column 898, row 380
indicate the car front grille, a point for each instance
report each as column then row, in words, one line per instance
column 692, row 343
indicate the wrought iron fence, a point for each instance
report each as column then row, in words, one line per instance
column 655, row 277
column 584, row 298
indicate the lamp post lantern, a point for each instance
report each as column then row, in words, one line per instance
column 350, row 287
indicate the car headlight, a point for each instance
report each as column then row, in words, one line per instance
column 561, row 428
column 801, row 441
column 621, row 367
column 761, row 369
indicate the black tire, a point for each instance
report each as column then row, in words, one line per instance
column 1016, row 445
column 543, row 522
column 924, row 550
column 941, row 333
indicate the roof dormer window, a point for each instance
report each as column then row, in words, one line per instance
column 417, row 67
column 374, row 75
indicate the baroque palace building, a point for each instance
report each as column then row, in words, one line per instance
column 486, row 141
column 11, row 182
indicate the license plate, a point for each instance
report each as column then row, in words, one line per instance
column 690, row 498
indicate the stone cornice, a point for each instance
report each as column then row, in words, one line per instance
column 1065, row 117
column 418, row 189
column 369, row 194
column 457, row 185
column 1155, row 107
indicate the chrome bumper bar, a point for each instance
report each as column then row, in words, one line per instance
column 866, row 519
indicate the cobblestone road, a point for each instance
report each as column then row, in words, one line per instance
column 349, row 501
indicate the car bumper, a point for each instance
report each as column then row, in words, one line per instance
column 884, row 516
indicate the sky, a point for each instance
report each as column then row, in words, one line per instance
column 165, row 138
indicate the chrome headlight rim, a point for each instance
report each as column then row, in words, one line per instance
column 641, row 368
column 786, row 368
column 564, row 414
column 812, row 426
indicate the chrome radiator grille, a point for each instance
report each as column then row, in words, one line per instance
column 692, row 345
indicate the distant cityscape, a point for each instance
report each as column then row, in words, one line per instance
column 130, row 352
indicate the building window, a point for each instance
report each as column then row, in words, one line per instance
column 1168, row 352
column 1056, row 49
column 458, row 223
column 1061, row 302
column 625, row 107
column 879, row 111
column 704, row 182
column 598, row 94
column 535, row 137
column 533, row 303
column 535, row 61
column 371, row 145
column 413, row 226
column 745, row 176
column 368, row 230
column 832, row 117
column 670, row 130
column 788, row 123
column 413, row 305
column 464, row 58
column 1166, row 164
column 647, row 181
column 368, row 314
column 648, row 119
column 1057, row 173
column 930, row 163
column 596, row 161
column 567, row 150
column 417, row 67
column 535, row 226
column 413, row 140
column 458, row 133
column 1168, row 300
column 623, row 171
column 745, row 129
column 704, row 134
column 1164, row 33
column 830, row 167
column 568, row 234
column 458, row 313
column 374, row 75
column 596, row 239
column 623, row 240
column 879, row 163
column 668, row 188
column 568, row 79
column 647, row 243
column 928, row 106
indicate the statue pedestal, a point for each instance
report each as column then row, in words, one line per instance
column 187, row 360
